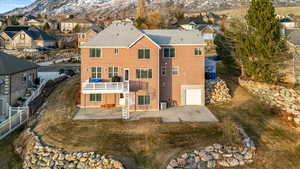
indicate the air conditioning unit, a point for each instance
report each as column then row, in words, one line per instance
column 163, row 105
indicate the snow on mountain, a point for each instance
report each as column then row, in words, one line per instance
column 60, row 7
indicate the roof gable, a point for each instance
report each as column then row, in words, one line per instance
column 10, row 64
column 124, row 35
column 118, row 34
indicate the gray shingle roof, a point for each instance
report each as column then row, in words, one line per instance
column 293, row 36
column 122, row 34
column 16, row 28
column 10, row 34
column 10, row 64
column 39, row 35
column 175, row 37
column 118, row 34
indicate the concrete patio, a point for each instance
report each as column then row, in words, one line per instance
column 175, row 114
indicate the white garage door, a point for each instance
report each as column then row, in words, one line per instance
column 193, row 97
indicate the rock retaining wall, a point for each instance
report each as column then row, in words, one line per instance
column 216, row 155
column 36, row 155
column 285, row 99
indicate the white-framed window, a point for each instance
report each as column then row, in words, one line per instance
column 144, row 73
column 95, row 53
column 163, row 70
column 96, row 73
column 95, row 97
column 116, row 51
column 113, row 71
column 144, row 100
column 198, row 52
column 169, row 52
column 144, row 53
column 175, row 70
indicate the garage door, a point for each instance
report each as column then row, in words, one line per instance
column 193, row 97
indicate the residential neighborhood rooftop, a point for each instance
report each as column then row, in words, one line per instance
column 124, row 34
column 10, row 64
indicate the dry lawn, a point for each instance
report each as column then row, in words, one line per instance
column 150, row 144
column 143, row 144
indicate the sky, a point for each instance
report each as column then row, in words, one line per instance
column 7, row 5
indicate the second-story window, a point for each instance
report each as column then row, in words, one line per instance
column 116, row 51
column 95, row 52
column 144, row 73
column 96, row 73
column 113, row 71
column 198, row 52
column 169, row 52
column 144, row 54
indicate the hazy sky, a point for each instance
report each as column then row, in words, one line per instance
column 6, row 5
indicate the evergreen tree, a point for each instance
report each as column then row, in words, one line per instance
column 46, row 27
column 259, row 46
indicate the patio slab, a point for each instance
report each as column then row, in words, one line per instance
column 175, row 114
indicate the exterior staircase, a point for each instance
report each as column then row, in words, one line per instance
column 125, row 109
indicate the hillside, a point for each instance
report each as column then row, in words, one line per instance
column 61, row 7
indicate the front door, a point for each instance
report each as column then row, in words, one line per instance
column 126, row 75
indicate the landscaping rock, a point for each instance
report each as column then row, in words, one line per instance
column 38, row 156
column 217, row 155
column 287, row 100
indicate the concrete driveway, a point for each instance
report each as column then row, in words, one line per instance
column 175, row 114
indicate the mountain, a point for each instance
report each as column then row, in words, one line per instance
column 61, row 7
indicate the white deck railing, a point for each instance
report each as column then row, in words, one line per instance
column 36, row 93
column 105, row 87
column 17, row 117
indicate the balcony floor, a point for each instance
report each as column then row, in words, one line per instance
column 175, row 114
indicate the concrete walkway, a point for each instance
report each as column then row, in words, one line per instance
column 175, row 114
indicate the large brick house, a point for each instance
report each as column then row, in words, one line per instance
column 142, row 69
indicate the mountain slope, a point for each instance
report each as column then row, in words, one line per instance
column 61, row 7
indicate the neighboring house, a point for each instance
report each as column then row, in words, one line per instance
column 293, row 39
column 16, row 76
column 24, row 19
column 18, row 37
column 288, row 22
column 68, row 26
column 151, row 67
column 88, row 34
column 209, row 32
column 35, row 22
column 192, row 23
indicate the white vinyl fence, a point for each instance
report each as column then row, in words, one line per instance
column 18, row 115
